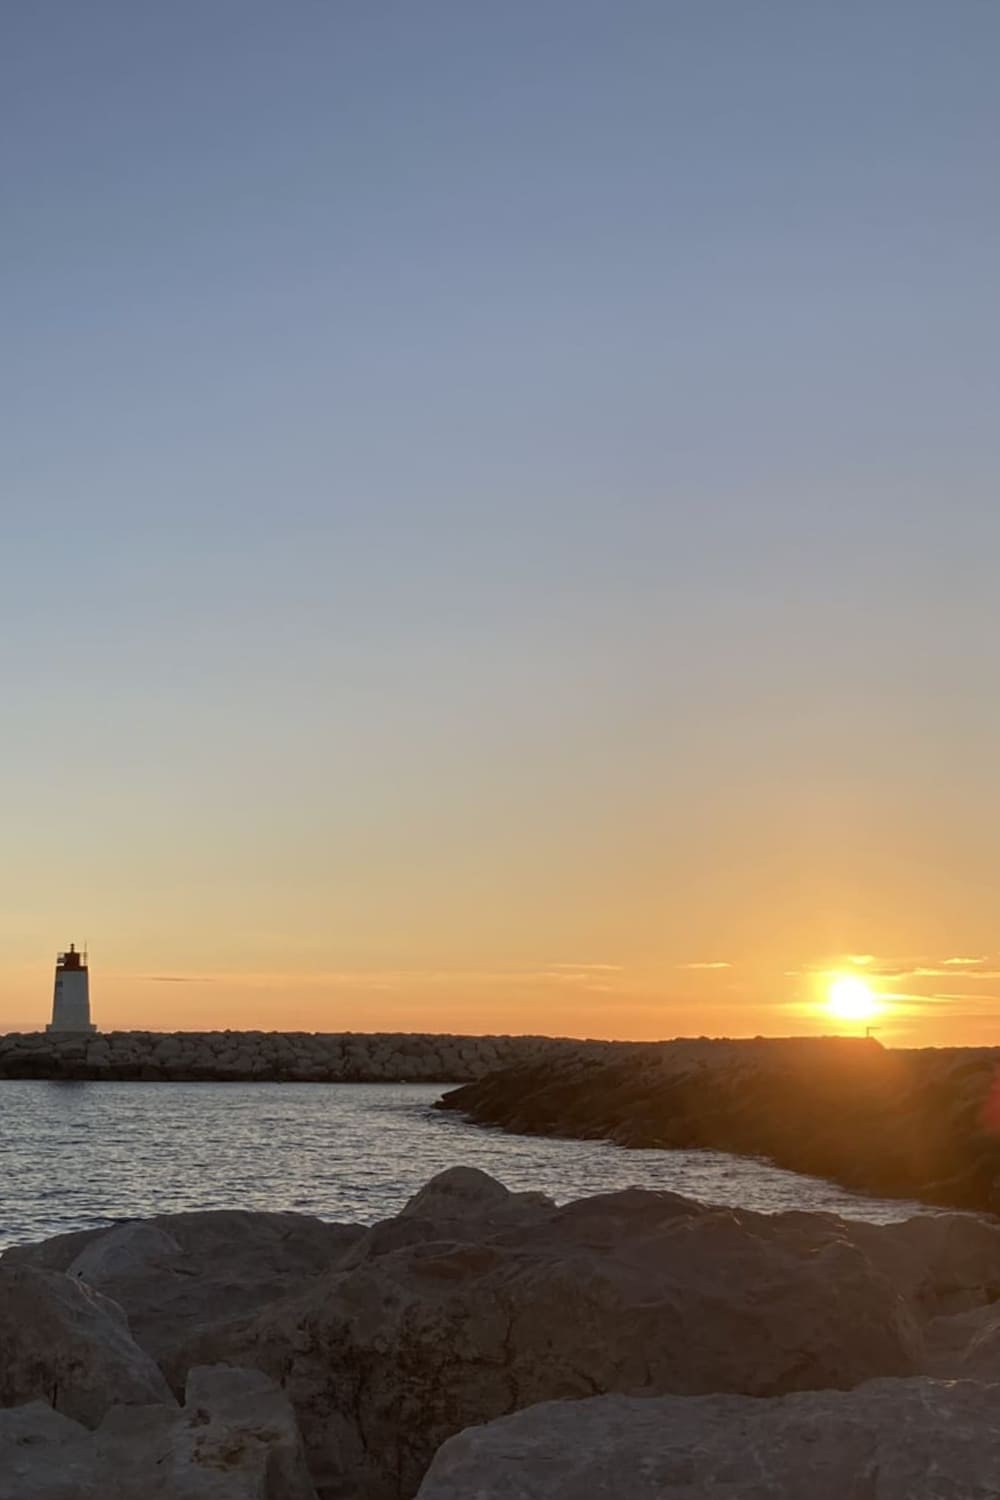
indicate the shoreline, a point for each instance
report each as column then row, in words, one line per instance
column 921, row 1124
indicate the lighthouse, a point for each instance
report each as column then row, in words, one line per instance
column 71, row 998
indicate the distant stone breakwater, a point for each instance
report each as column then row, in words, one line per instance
column 272, row 1056
column 914, row 1124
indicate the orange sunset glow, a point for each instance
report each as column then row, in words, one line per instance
column 499, row 525
column 911, row 1003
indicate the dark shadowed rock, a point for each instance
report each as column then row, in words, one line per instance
column 921, row 1124
column 460, row 1203
column 235, row 1439
column 464, row 1194
column 125, row 1253
column 43, row 1455
column 940, row 1263
column 62, row 1342
column 475, row 1302
column 632, row 1292
column 181, row 1272
column 887, row 1440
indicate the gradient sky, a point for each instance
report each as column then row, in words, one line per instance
column 499, row 511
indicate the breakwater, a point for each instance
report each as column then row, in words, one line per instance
column 643, row 1342
column 917, row 1124
column 271, row 1056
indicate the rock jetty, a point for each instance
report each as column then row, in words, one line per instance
column 240, row 1356
column 916, row 1124
column 270, row 1056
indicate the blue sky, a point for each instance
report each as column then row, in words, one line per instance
column 488, row 485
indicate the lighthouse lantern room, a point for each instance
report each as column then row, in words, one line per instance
column 71, row 998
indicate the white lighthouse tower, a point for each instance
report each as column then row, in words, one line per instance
column 71, row 999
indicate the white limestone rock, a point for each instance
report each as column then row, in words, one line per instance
column 886, row 1440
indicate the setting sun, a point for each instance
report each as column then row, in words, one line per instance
column 851, row 999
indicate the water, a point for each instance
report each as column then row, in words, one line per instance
column 81, row 1155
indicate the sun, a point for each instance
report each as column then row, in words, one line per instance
column 851, row 999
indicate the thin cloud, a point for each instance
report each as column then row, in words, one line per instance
column 588, row 968
column 919, row 968
column 942, row 1000
column 861, row 960
column 900, row 997
column 990, row 1000
column 381, row 980
column 944, row 973
column 175, row 979
column 717, row 963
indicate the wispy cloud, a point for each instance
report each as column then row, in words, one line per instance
column 991, row 1001
column 902, row 969
column 175, row 979
column 902, row 997
column 946, row 973
column 588, row 968
column 582, row 975
column 715, row 963
column 941, row 1000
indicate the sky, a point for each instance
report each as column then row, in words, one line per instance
column 498, row 513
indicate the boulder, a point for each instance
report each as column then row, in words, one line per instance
column 941, row 1263
column 62, row 1342
column 459, row 1193
column 887, row 1440
column 178, row 1273
column 632, row 1292
column 964, row 1345
column 123, row 1253
column 460, row 1203
column 235, row 1439
column 247, row 1402
column 44, row 1456
column 474, row 1302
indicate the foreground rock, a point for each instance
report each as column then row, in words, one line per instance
column 887, row 1440
column 187, row 1271
column 923, row 1124
column 235, row 1439
column 62, row 1342
column 441, row 1319
column 276, row 1056
column 474, row 1302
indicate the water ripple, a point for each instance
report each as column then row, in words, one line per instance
column 82, row 1155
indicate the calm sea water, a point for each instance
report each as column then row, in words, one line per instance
column 81, row 1155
